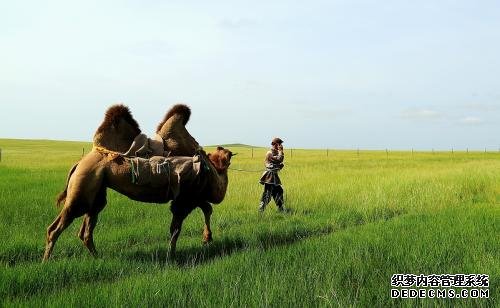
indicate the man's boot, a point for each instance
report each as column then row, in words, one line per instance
column 262, row 206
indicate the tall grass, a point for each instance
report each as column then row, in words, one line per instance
column 354, row 220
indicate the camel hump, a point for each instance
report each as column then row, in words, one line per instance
column 181, row 110
column 118, row 129
column 176, row 139
column 115, row 114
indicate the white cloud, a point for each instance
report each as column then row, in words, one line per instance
column 420, row 114
column 471, row 121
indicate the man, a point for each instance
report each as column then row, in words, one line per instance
column 270, row 179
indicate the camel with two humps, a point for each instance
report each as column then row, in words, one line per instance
column 195, row 179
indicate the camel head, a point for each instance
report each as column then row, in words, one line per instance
column 221, row 159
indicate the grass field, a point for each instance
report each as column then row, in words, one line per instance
column 354, row 221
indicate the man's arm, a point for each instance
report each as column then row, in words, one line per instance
column 276, row 158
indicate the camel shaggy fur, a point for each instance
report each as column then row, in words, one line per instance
column 119, row 129
column 188, row 187
column 172, row 130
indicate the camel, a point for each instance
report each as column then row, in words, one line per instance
column 190, row 181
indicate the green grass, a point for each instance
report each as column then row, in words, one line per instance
column 355, row 220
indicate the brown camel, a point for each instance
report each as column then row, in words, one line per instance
column 184, row 184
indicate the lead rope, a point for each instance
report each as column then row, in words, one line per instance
column 165, row 166
column 134, row 170
column 243, row 170
column 137, row 168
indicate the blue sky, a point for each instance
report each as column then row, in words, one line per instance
column 337, row 74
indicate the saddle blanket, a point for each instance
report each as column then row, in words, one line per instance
column 142, row 146
column 160, row 171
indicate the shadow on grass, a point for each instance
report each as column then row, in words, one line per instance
column 195, row 255
column 287, row 237
column 191, row 256
column 219, row 248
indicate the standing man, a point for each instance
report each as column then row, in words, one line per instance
column 270, row 179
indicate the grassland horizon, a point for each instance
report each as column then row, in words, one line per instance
column 442, row 149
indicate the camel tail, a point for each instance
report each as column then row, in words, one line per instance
column 62, row 195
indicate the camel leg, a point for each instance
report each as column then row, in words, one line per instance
column 83, row 227
column 62, row 221
column 175, row 230
column 88, row 237
column 207, row 212
column 180, row 209
column 86, row 233
column 83, row 191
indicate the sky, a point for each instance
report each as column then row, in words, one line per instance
column 318, row 74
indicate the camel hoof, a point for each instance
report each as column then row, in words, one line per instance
column 207, row 239
column 170, row 255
